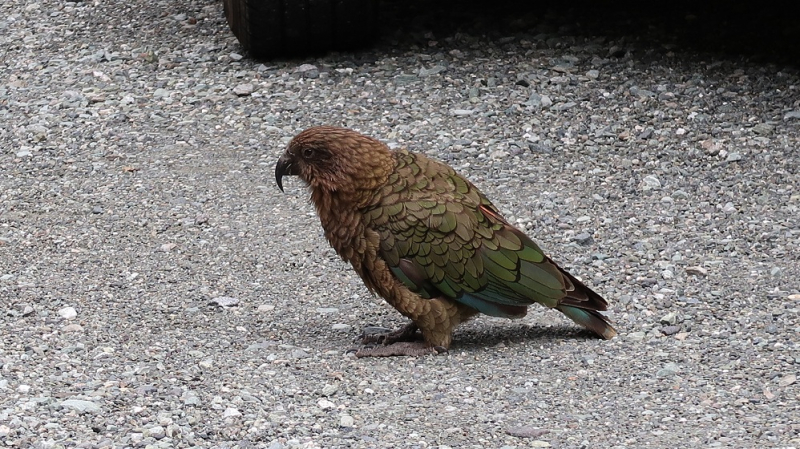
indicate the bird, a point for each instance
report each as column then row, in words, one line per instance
column 427, row 241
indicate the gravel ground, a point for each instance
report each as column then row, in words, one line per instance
column 159, row 291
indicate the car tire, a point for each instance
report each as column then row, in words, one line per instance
column 269, row 28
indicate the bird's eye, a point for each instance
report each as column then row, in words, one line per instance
column 308, row 152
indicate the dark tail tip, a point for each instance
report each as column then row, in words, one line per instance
column 590, row 319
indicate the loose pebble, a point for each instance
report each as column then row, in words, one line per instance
column 68, row 313
column 527, row 431
column 346, row 421
column 325, row 404
column 244, row 90
column 787, row 380
column 669, row 369
column 81, row 405
column 225, row 301
column 670, row 318
column 231, row 412
column 651, row 183
column 329, row 390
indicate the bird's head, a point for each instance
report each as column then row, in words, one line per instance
column 330, row 159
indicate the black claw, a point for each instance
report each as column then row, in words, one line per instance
column 440, row 350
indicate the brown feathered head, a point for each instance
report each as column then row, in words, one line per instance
column 330, row 159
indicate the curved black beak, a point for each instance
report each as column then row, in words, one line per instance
column 283, row 167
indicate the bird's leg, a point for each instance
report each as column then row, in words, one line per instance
column 404, row 341
column 407, row 333
column 413, row 349
column 435, row 322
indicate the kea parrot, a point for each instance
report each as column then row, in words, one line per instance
column 427, row 241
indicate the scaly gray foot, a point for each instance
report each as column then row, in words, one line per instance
column 407, row 333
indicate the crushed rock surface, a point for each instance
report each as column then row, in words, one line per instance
column 157, row 290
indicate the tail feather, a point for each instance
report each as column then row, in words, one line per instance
column 582, row 305
column 590, row 319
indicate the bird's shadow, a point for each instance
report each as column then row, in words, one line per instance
column 483, row 335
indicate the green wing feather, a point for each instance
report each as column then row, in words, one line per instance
column 441, row 237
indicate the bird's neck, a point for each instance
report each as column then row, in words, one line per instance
column 340, row 204
column 341, row 220
column 336, row 202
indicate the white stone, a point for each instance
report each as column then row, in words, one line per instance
column 325, row 404
column 68, row 313
column 231, row 412
column 346, row 421
column 225, row 301
column 651, row 183
column 462, row 112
